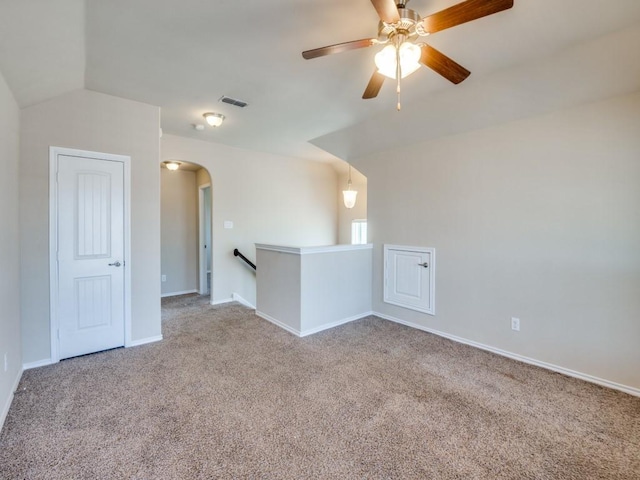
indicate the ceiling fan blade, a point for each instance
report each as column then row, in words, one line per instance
column 338, row 48
column 463, row 12
column 443, row 65
column 374, row 86
column 387, row 10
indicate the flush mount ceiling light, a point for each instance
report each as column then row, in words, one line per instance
column 214, row 119
column 349, row 195
column 173, row 166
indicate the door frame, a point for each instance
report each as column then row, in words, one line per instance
column 202, row 254
column 54, row 152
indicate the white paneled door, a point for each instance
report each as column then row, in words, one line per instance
column 90, row 255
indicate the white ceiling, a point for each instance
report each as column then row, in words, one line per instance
column 42, row 48
column 183, row 55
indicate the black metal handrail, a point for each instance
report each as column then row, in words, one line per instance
column 236, row 253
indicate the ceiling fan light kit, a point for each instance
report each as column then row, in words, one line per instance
column 398, row 30
column 387, row 64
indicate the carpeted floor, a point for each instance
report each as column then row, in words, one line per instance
column 228, row 395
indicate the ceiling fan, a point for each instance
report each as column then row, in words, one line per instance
column 398, row 30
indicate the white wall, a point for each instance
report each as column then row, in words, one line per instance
column 358, row 212
column 10, row 343
column 179, row 227
column 96, row 122
column 536, row 219
column 269, row 198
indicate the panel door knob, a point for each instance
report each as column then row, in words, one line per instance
column 115, row 264
column 425, row 265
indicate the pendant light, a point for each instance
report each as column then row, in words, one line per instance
column 349, row 195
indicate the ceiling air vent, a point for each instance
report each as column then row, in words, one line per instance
column 233, row 101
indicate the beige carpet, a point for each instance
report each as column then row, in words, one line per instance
column 228, row 395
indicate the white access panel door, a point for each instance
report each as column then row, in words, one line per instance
column 409, row 274
column 90, row 297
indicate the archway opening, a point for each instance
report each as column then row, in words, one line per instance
column 186, row 233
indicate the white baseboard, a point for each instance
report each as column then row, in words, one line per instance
column 39, row 363
column 144, row 341
column 277, row 322
column 234, row 298
column 514, row 356
column 337, row 323
column 223, row 301
column 7, row 405
column 311, row 331
column 239, row 299
column 175, row 294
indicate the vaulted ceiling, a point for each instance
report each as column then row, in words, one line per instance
column 183, row 55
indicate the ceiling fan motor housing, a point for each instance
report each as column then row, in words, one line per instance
column 406, row 26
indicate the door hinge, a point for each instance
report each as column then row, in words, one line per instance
column 58, row 334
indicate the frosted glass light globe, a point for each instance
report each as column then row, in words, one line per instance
column 385, row 60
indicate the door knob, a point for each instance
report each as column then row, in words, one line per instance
column 115, row 264
column 425, row 265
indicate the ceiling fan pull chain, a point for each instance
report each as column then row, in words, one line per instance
column 398, row 74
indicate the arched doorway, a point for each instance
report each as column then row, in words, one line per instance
column 186, row 233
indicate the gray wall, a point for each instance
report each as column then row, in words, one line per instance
column 269, row 198
column 10, row 344
column 179, row 227
column 96, row 122
column 536, row 219
column 280, row 287
column 335, row 286
column 306, row 290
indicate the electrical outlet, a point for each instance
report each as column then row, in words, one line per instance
column 164, row 278
column 515, row 324
column 6, row 362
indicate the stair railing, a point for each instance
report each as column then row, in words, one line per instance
column 236, row 253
